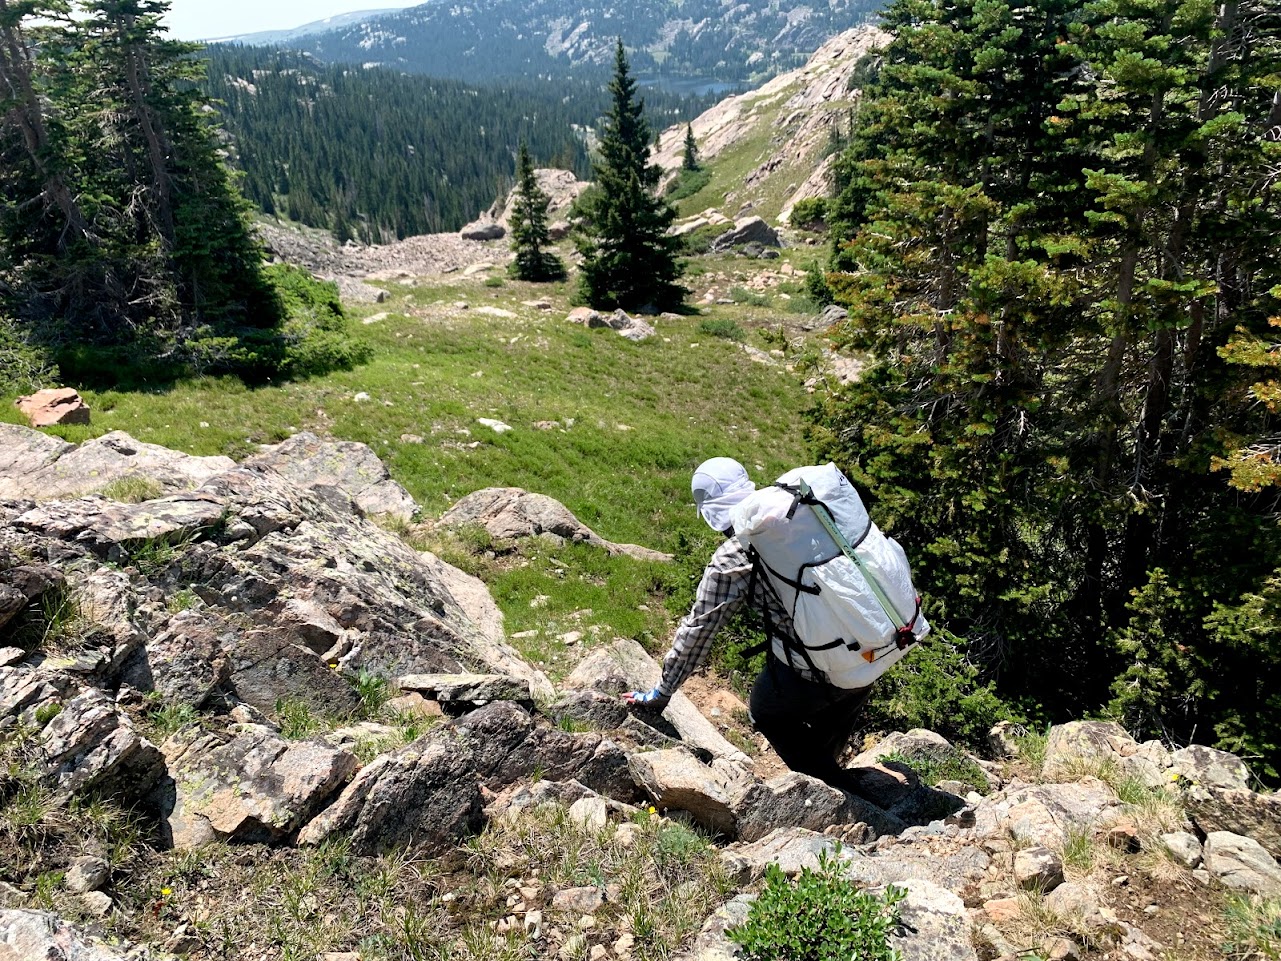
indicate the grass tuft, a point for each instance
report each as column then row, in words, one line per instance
column 1254, row 929
column 133, row 489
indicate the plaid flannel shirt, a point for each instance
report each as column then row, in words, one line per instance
column 722, row 591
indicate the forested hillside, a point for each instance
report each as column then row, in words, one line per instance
column 379, row 155
column 1056, row 235
column 510, row 38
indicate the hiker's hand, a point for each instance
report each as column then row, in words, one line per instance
column 655, row 699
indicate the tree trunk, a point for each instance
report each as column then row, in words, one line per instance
column 26, row 115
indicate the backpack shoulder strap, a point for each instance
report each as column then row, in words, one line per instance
column 784, row 637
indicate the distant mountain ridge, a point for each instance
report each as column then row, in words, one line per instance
column 263, row 38
column 479, row 40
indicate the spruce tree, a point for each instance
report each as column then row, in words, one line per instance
column 629, row 259
column 529, row 227
column 156, row 250
column 690, row 160
column 1047, row 230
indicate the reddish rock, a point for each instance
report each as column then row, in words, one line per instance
column 1124, row 836
column 1002, row 910
column 46, row 408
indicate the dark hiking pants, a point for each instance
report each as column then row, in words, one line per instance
column 806, row 722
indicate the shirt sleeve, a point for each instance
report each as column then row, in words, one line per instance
column 721, row 592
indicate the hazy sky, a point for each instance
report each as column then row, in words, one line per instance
column 210, row 19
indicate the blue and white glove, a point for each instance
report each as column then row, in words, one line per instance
column 654, row 699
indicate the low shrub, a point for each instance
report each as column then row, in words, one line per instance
column 688, row 183
column 817, row 287
column 937, row 687
column 700, row 241
column 23, row 366
column 312, row 339
column 810, row 213
column 722, row 327
column 821, row 916
column 741, row 295
column 944, row 765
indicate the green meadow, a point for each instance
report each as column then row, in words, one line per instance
column 611, row 428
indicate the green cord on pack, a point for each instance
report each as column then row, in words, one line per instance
column 829, row 525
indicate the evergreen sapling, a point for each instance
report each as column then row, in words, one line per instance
column 690, row 160
column 529, row 227
column 629, row 259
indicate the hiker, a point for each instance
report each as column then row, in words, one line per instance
column 805, row 719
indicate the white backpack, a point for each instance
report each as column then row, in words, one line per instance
column 847, row 586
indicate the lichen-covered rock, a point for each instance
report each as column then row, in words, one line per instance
column 1247, row 813
column 483, row 229
column 676, row 779
column 1211, row 768
column 40, row 936
column 466, row 688
column 477, row 603
column 1003, row 738
column 883, row 785
column 86, row 874
column 788, row 800
column 24, row 452
column 12, row 602
column 509, row 513
column 33, row 466
column 1242, row 863
column 185, row 663
column 506, row 745
column 26, row 585
column 938, row 860
column 623, row 323
column 353, row 468
column 792, row 849
column 424, row 797
column 748, row 230
column 1038, row 869
column 116, row 531
column 92, row 747
column 1072, row 748
column 254, row 786
column 23, row 692
column 625, row 666
column 287, row 547
column 520, row 797
column 1183, row 847
column 936, row 925
column 1045, row 814
column 265, row 669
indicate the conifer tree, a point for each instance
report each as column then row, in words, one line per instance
column 530, row 236
column 1048, row 227
column 690, row 160
column 169, row 258
column 628, row 258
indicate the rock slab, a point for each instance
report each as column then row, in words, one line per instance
column 48, row 408
column 40, row 936
column 509, row 513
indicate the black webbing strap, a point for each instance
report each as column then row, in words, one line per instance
column 783, row 637
column 796, row 584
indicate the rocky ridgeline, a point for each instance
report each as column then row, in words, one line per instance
column 801, row 107
column 225, row 592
